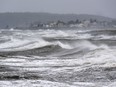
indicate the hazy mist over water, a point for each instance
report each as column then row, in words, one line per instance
column 96, row 7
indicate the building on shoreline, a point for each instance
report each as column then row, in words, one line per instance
column 77, row 23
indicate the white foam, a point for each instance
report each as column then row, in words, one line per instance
column 107, row 37
column 66, row 46
column 84, row 44
column 103, row 57
column 12, row 29
column 84, row 36
column 18, row 44
column 53, row 33
column 113, row 84
column 33, row 83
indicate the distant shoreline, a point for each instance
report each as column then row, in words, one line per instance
column 13, row 20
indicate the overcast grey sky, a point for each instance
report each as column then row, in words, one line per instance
column 97, row 7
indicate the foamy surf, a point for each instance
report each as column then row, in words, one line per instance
column 57, row 58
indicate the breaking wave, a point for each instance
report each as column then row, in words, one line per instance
column 72, row 57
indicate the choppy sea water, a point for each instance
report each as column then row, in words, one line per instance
column 58, row 58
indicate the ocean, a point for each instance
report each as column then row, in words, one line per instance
column 58, row 58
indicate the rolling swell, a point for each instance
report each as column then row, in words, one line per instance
column 103, row 32
column 41, row 51
column 61, row 57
